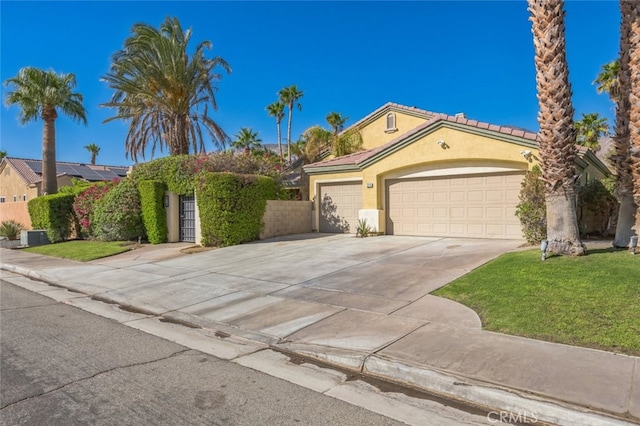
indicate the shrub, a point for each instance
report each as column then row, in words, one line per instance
column 11, row 229
column 232, row 206
column 84, row 205
column 532, row 209
column 363, row 230
column 54, row 213
column 117, row 215
column 153, row 215
column 179, row 171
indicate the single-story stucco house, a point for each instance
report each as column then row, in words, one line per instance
column 430, row 174
column 21, row 181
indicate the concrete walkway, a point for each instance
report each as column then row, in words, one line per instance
column 361, row 304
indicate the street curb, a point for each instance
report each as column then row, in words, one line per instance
column 487, row 396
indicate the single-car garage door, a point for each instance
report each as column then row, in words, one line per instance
column 480, row 206
column 339, row 205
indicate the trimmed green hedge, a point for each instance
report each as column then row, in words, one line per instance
column 54, row 213
column 232, row 206
column 154, row 217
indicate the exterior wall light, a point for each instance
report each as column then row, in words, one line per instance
column 527, row 154
column 543, row 248
column 369, row 185
column 166, row 200
column 442, row 144
column 633, row 244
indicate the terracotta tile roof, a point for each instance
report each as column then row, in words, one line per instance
column 30, row 170
column 25, row 172
column 359, row 157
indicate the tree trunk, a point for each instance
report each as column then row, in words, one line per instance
column 279, row 140
column 622, row 137
column 626, row 221
column 557, row 135
column 289, row 134
column 562, row 229
column 93, row 159
column 633, row 10
column 49, row 172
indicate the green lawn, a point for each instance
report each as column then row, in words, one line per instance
column 591, row 301
column 81, row 250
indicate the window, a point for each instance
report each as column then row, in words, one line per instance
column 24, row 197
column 15, row 198
column 391, row 123
column 3, row 200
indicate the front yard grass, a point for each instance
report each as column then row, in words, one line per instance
column 82, row 250
column 591, row 301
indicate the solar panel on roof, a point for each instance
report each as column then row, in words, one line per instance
column 36, row 166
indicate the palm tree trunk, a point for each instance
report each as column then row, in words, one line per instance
column 623, row 163
column 49, row 172
column 279, row 140
column 626, row 221
column 289, row 133
column 557, row 135
column 633, row 10
column 93, row 158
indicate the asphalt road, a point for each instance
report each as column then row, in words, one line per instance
column 61, row 365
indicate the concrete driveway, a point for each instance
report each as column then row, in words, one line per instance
column 280, row 286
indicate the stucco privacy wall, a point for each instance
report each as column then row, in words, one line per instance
column 280, row 218
column 286, row 217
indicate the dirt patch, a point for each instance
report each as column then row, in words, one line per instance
column 195, row 249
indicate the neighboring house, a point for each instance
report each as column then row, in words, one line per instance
column 430, row 174
column 21, row 179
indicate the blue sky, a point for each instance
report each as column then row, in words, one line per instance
column 351, row 57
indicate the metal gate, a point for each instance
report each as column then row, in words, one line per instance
column 188, row 218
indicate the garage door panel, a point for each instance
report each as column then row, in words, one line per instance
column 475, row 212
column 440, row 197
column 495, row 196
column 474, row 206
column 339, row 206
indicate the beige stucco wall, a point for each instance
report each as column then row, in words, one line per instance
column 286, row 217
column 12, row 185
column 374, row 134
column 464, row 150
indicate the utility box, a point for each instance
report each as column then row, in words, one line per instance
column 37, row 237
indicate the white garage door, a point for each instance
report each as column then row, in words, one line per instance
column 339, row 205
column 479, row 206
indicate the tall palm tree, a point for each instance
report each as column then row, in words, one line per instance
column 313, row 142
column 614, row 79
column 290, row 97
column 42, row 94
column 246, row 139
column 590, row 129
column 94, row 150
column 164, row 92
column 557, row 135
column 276, row 110
column 632, row 11
column 607, row 80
